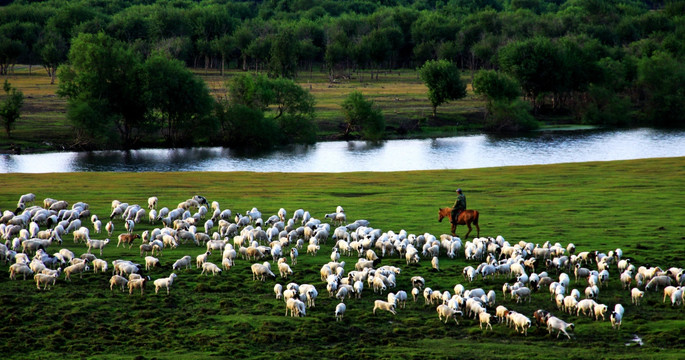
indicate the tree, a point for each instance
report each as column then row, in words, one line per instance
column 443, row 82
column 284, row 50
column 361, row 115
column 496, row 86
column 10, row 108
column 105, row 77
column 660, row 78
column 53, row 50
column 179, row 102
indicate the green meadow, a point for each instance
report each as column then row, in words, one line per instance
column 633, row 205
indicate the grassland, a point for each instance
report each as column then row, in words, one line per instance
column 635, row 205
column 400, row 94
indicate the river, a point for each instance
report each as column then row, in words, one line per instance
column 459, row 152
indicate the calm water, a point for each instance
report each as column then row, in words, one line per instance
column 461, row 152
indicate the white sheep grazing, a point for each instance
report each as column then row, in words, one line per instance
column 484, row 318
column 164, row 282
column 78, row 268
column 521, row 294
column 342, row 294
column 415, row 292
column 45, row 280
column 600, row 310
column 295, row 306
column 183, row 262
column 340, row 311
column 617, row 316
column 19, row 268
column 278, row 290
column 293, row 256
column 447, row 312
column 261, row 271
column 82, row 234
column 554, row 323
column 136, row 284
column 636, row 295
column 110, row 228
column 97, row 244
column 129, row 225
column 358, row 288
column 200, row 259
column 384, row 305
column 210, row 267
column 284, row 270
column 677, row 297
column 151, row 262
column 117, row 280
column 501, row 313
column 435, row 263
column 522, row 321
column 668, row 290
column 586, row 306
column 99, row 264
column 152, row 202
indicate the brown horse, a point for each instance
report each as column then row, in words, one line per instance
column 466, row 217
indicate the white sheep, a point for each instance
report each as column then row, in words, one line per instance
column 45, row 280
column 284, row 270
column 435, row 263
column 520, row 320
column 210, row 267
column 278, row 290
column 636, row 295
column 152, row 202
column 677, row 297
column 600, row 310
column 554, row 323
column 164, row 283
column 340, row 311
column 138, row 283
column 617, row 316
column 342, row 294
column 151, row 262
column 97, row 244
column 296, row 307
column 586, row 306
column 261, row 271
column 201, row 259
column 110, row 228
column 521, row 294
column 117, row 280
column 183, row 262
column 384, row 305
column 78, row 268
column 99, row 264
column 447, row 312
column 484, row 318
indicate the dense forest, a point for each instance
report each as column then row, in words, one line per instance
column 605, row 62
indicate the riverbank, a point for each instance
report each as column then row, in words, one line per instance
column 590, row 204
column 400, row 94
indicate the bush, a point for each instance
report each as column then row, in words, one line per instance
column 605, row 107
column 361, row 115
column 507, row 116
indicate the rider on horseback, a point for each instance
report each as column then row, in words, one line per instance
column 459, row 206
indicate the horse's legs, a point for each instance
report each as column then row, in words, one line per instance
column 468, row 232
column 454, row 228
column 477, row 228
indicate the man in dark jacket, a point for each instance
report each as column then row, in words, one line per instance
column 459, row 205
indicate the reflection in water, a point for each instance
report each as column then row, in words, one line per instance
column 462, row 152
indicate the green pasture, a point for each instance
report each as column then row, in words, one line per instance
column 633, row 205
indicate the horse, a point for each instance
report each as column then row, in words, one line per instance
column 466, row 217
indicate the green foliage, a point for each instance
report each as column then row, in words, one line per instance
column 510, row 116
column 535, row 63
column 10, row 107
column 178, row 100
column 246, row 127
column 443, row 82
column 605, row 107
column 284, row 50
column 53, row 50
column 661, row 79
column 361, row 115
column 496, row 86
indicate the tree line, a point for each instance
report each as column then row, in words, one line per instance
column 607, row 62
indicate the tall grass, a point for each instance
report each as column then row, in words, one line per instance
column 635, row 205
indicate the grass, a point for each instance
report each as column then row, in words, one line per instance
column 635, row 205
column 400, row 94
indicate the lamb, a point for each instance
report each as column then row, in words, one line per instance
column 110, row 228
column 521, row 321
column 79, row 268
column 293, row 256
column 200, row 259
column 554, row 323
column 340, row 311
column 144, row 248
column 484, row 318
column 677, row 297
column 296, row 308
column 342, row 294
column 586, row 306
column 658, row 281
column 164, row 283
column 384, row 305
column 278, row 290
column 181, row 263
column 210, row 267
column 152, row 202
column 45, row 280
column 617, row 316
column 117, row 280
column 19, row 268
column 435, row 263
column 261, row 271
column 447, row 312
column 151, row 262
column 284, row 270
column 600, row 310
column 99, row 264
column 97, row 244
column 521, row 294
column 136, row 284
column 125, row 238
column 636, row 295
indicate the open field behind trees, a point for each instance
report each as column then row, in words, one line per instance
column 400, row 94
column 633, row 205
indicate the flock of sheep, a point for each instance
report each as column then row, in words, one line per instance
column 526, row 268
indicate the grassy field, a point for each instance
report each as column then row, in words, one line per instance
column 400, row 94
column 632, row 205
